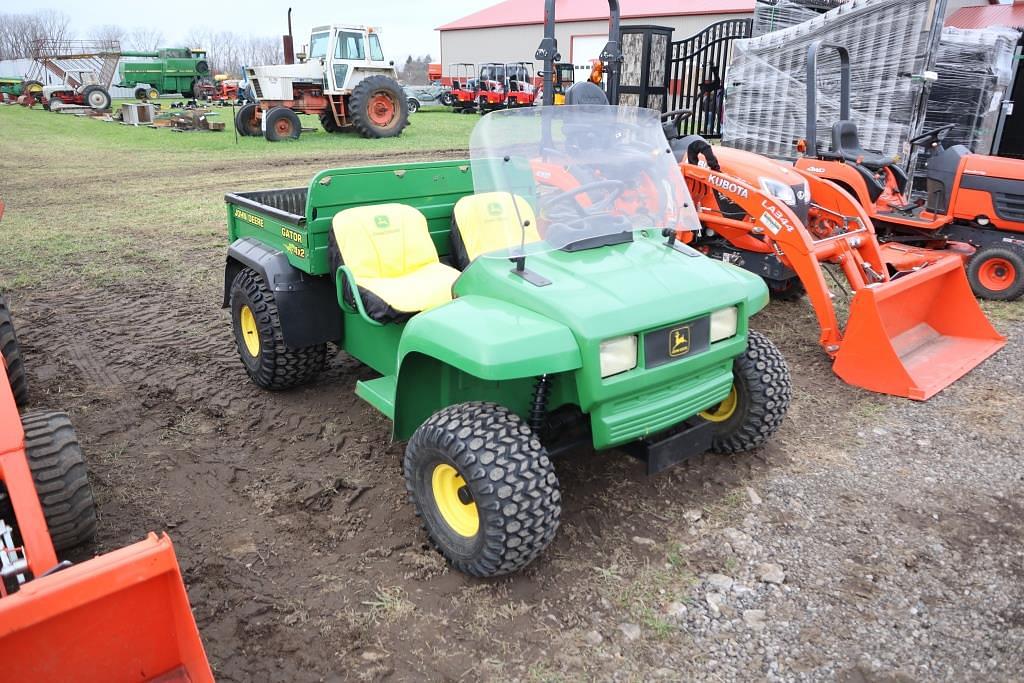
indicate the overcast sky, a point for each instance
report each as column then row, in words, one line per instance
column 407, row 26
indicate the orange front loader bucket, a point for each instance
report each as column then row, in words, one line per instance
column 917, row 334
column 119, row 617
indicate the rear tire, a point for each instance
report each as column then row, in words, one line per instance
column 141, row 94
column 97, row 98
column 996, row 273
column 754, row 410
column 12, row 356
column 379, row 108
column 414, row 105
column 62, row 483
column 446, row 99
column 246, row 122
column 328, row 123
column 484, row 487
column 282, row 124
column 260, row 340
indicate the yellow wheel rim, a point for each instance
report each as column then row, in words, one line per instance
column 462, row 517
column 724, row 410
column 153, row 94
column 35, row 89
column 250, row 333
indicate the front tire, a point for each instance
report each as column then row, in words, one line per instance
column 270, row 363
column 62, row 483
column 785, row 290
column 11, row 351
column 760, row 397
column 996, row 273
column 246, row 122
column 141, row 94
column 379, row 108
column 414, row 105
column 484, row 487
column 282, row 124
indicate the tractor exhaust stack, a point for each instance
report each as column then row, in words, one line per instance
column 289, row 43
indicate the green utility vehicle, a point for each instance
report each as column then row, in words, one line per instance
column 536, row 298
column 169, row 70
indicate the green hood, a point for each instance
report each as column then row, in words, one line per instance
column 619, row 289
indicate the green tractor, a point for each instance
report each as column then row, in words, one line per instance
column 168, row 71
column 533, row 300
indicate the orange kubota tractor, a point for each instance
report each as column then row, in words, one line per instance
column 117, row 618
column 913, row 326
column 971, row 198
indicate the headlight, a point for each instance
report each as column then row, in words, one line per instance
column 779, row 190
column 723, row 323
column 618, row 355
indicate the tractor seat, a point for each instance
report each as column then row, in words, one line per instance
column 846, row 141
column 488, row 222
column 388, row 250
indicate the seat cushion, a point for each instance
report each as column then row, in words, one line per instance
column 384, row 240
column 396, row 299
column 388, row 250
column 488, row 222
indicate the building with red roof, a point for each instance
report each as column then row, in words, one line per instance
column 510, row 31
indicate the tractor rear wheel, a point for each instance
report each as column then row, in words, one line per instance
column 246, row 122
column 62, row 483
column 282, row 124
column 12, row 356
column 484, row 487
column 96, row 97
column 379, row 108
column 270, row 363
column 997, row 273
column 757, row 404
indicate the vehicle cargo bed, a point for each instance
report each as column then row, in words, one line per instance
column 288, row 205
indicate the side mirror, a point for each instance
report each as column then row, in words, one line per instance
column 391, row 63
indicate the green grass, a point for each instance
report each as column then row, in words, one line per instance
column 434, row 129
column 103, row 203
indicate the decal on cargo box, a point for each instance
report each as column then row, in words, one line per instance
column 291, row 235
column 294, row 250
column 249, row 218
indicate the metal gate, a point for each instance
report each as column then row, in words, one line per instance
column 698, row 67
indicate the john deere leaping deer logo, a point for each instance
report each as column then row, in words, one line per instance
column 679, row 341
column 494, row 209
column 382, row 222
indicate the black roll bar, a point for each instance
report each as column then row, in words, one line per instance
column 812, row 89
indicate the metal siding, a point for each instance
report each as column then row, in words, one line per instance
column 518, row 43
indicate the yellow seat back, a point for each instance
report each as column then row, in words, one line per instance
column 383, row 241
column 488, row 222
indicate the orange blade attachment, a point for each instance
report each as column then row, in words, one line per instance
column 916, row 335
column 119, row 617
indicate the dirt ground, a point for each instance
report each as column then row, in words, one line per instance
column 897, row 528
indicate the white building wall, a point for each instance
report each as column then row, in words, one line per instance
column 519, row 43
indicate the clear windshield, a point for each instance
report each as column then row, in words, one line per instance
column 576, row 176
column 318, row 45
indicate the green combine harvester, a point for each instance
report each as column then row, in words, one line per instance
column 176, row 71
column 534, row 299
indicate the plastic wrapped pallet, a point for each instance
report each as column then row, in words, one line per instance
column 775, row 15
column 888, row 40
column 975, row 68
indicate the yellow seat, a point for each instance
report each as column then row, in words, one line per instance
column 488, row 222
column 388, row 250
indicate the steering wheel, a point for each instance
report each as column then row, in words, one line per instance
column 615, row 189
column 936, row 134
column 672, row 121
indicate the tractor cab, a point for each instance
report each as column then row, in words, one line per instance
column 344, row 52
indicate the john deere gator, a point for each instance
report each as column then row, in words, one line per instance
column 535, row 299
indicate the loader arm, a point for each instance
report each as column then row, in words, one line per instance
column 911, row 334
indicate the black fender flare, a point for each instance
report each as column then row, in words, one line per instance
column 306, row 304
